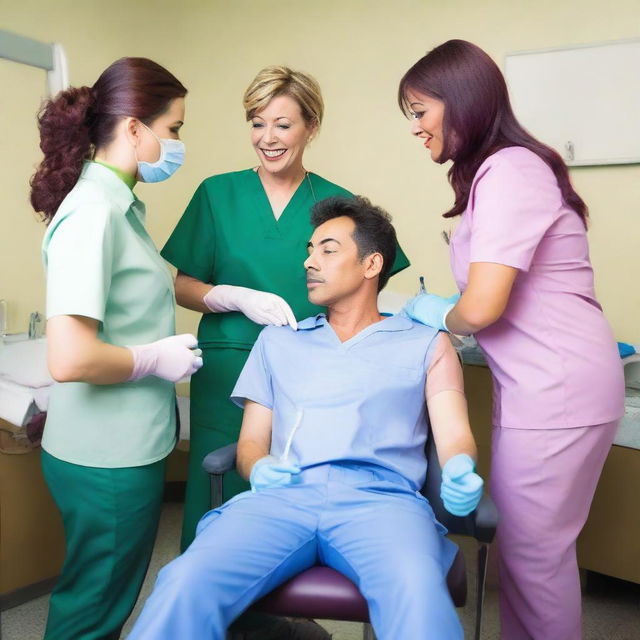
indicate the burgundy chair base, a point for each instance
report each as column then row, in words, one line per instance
column 323, row 588
column 318, row 592
column 321, row 592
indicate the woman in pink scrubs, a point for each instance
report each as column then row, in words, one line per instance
column 521, row 261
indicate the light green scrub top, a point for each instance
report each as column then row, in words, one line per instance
column 229, row 235
column 101, row 263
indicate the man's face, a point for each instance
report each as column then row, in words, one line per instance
column 334, row 270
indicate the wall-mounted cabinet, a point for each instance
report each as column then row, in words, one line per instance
column 583, row 101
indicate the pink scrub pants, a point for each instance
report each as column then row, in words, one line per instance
column 543, row 481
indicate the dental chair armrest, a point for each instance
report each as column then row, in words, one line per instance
column 216, row 464
column 220, row 460
column 480, row 524
column 485, row 520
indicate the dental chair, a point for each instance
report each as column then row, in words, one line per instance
column 321, row 592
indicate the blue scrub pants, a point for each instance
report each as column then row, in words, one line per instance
column 362, row 520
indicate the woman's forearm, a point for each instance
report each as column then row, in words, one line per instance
column 190, row 292
column 458, row 324
column 75, row 354
column 484, row 300
column 473, row 313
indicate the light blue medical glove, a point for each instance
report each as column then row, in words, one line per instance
column 461, row 487
column 270, row 472
column 430, row 309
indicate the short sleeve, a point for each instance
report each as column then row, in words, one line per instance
column 254, row 382
column 401, row 262
column 514, row 203
column 191, row 246
column 444, row 372
column 79, row 260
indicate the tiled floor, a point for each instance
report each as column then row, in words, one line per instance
column 611, row 607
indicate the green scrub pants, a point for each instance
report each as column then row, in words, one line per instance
column 110, row 521
column 215, row 422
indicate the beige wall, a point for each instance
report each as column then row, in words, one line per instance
column 358, row 50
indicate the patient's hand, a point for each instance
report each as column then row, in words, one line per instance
column 270, row 472
column 461, row 487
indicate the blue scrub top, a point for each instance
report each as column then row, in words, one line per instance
column 362, row 400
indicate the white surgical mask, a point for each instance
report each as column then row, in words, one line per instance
column 170, row 160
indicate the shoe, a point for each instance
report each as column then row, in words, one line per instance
column 307, row 629
column 277, row 628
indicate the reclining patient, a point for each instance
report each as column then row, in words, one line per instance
column 332, row 441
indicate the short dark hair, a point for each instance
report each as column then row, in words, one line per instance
column 374, row 232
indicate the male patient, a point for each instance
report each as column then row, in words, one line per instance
column 332, row 441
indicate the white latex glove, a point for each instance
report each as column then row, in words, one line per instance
column 171, row 358
column 259, row 306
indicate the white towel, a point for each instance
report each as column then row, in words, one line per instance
column 17, row 403
column 25, row 363
column 183, row 409
column 628, row 434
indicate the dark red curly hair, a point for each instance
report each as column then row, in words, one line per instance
column 79, row 120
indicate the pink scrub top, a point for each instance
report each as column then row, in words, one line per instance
column 552, row 354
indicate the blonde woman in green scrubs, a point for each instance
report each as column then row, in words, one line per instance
column 110, row 334
column 239, row 250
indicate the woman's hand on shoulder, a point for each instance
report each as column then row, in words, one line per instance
column 259, row 306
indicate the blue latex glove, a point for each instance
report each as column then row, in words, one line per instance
column 270, row 472
column 430, row 309
column 461, row 487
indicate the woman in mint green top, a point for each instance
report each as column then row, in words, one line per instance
column 110, row 336
column 239, row 250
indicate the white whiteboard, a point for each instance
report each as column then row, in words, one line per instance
column 583, row 101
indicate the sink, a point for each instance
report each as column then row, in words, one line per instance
column 10, row 338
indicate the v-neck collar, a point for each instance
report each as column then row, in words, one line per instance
column 273, row 225
column 398, row 322
column 136, row 216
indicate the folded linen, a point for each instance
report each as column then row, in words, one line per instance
column 25, row 363
column 17, row 403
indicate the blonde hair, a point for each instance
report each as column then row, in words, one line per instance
column 277, row 81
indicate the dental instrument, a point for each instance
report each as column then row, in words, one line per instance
column 296, row 426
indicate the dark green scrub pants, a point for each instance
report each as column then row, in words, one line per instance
column 110, row 520
column 215, row 422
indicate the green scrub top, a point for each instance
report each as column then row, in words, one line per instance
column 101, row 263
column 229, row 235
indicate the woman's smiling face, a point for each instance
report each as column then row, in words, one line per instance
column 427, row 122
column 279, row 135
